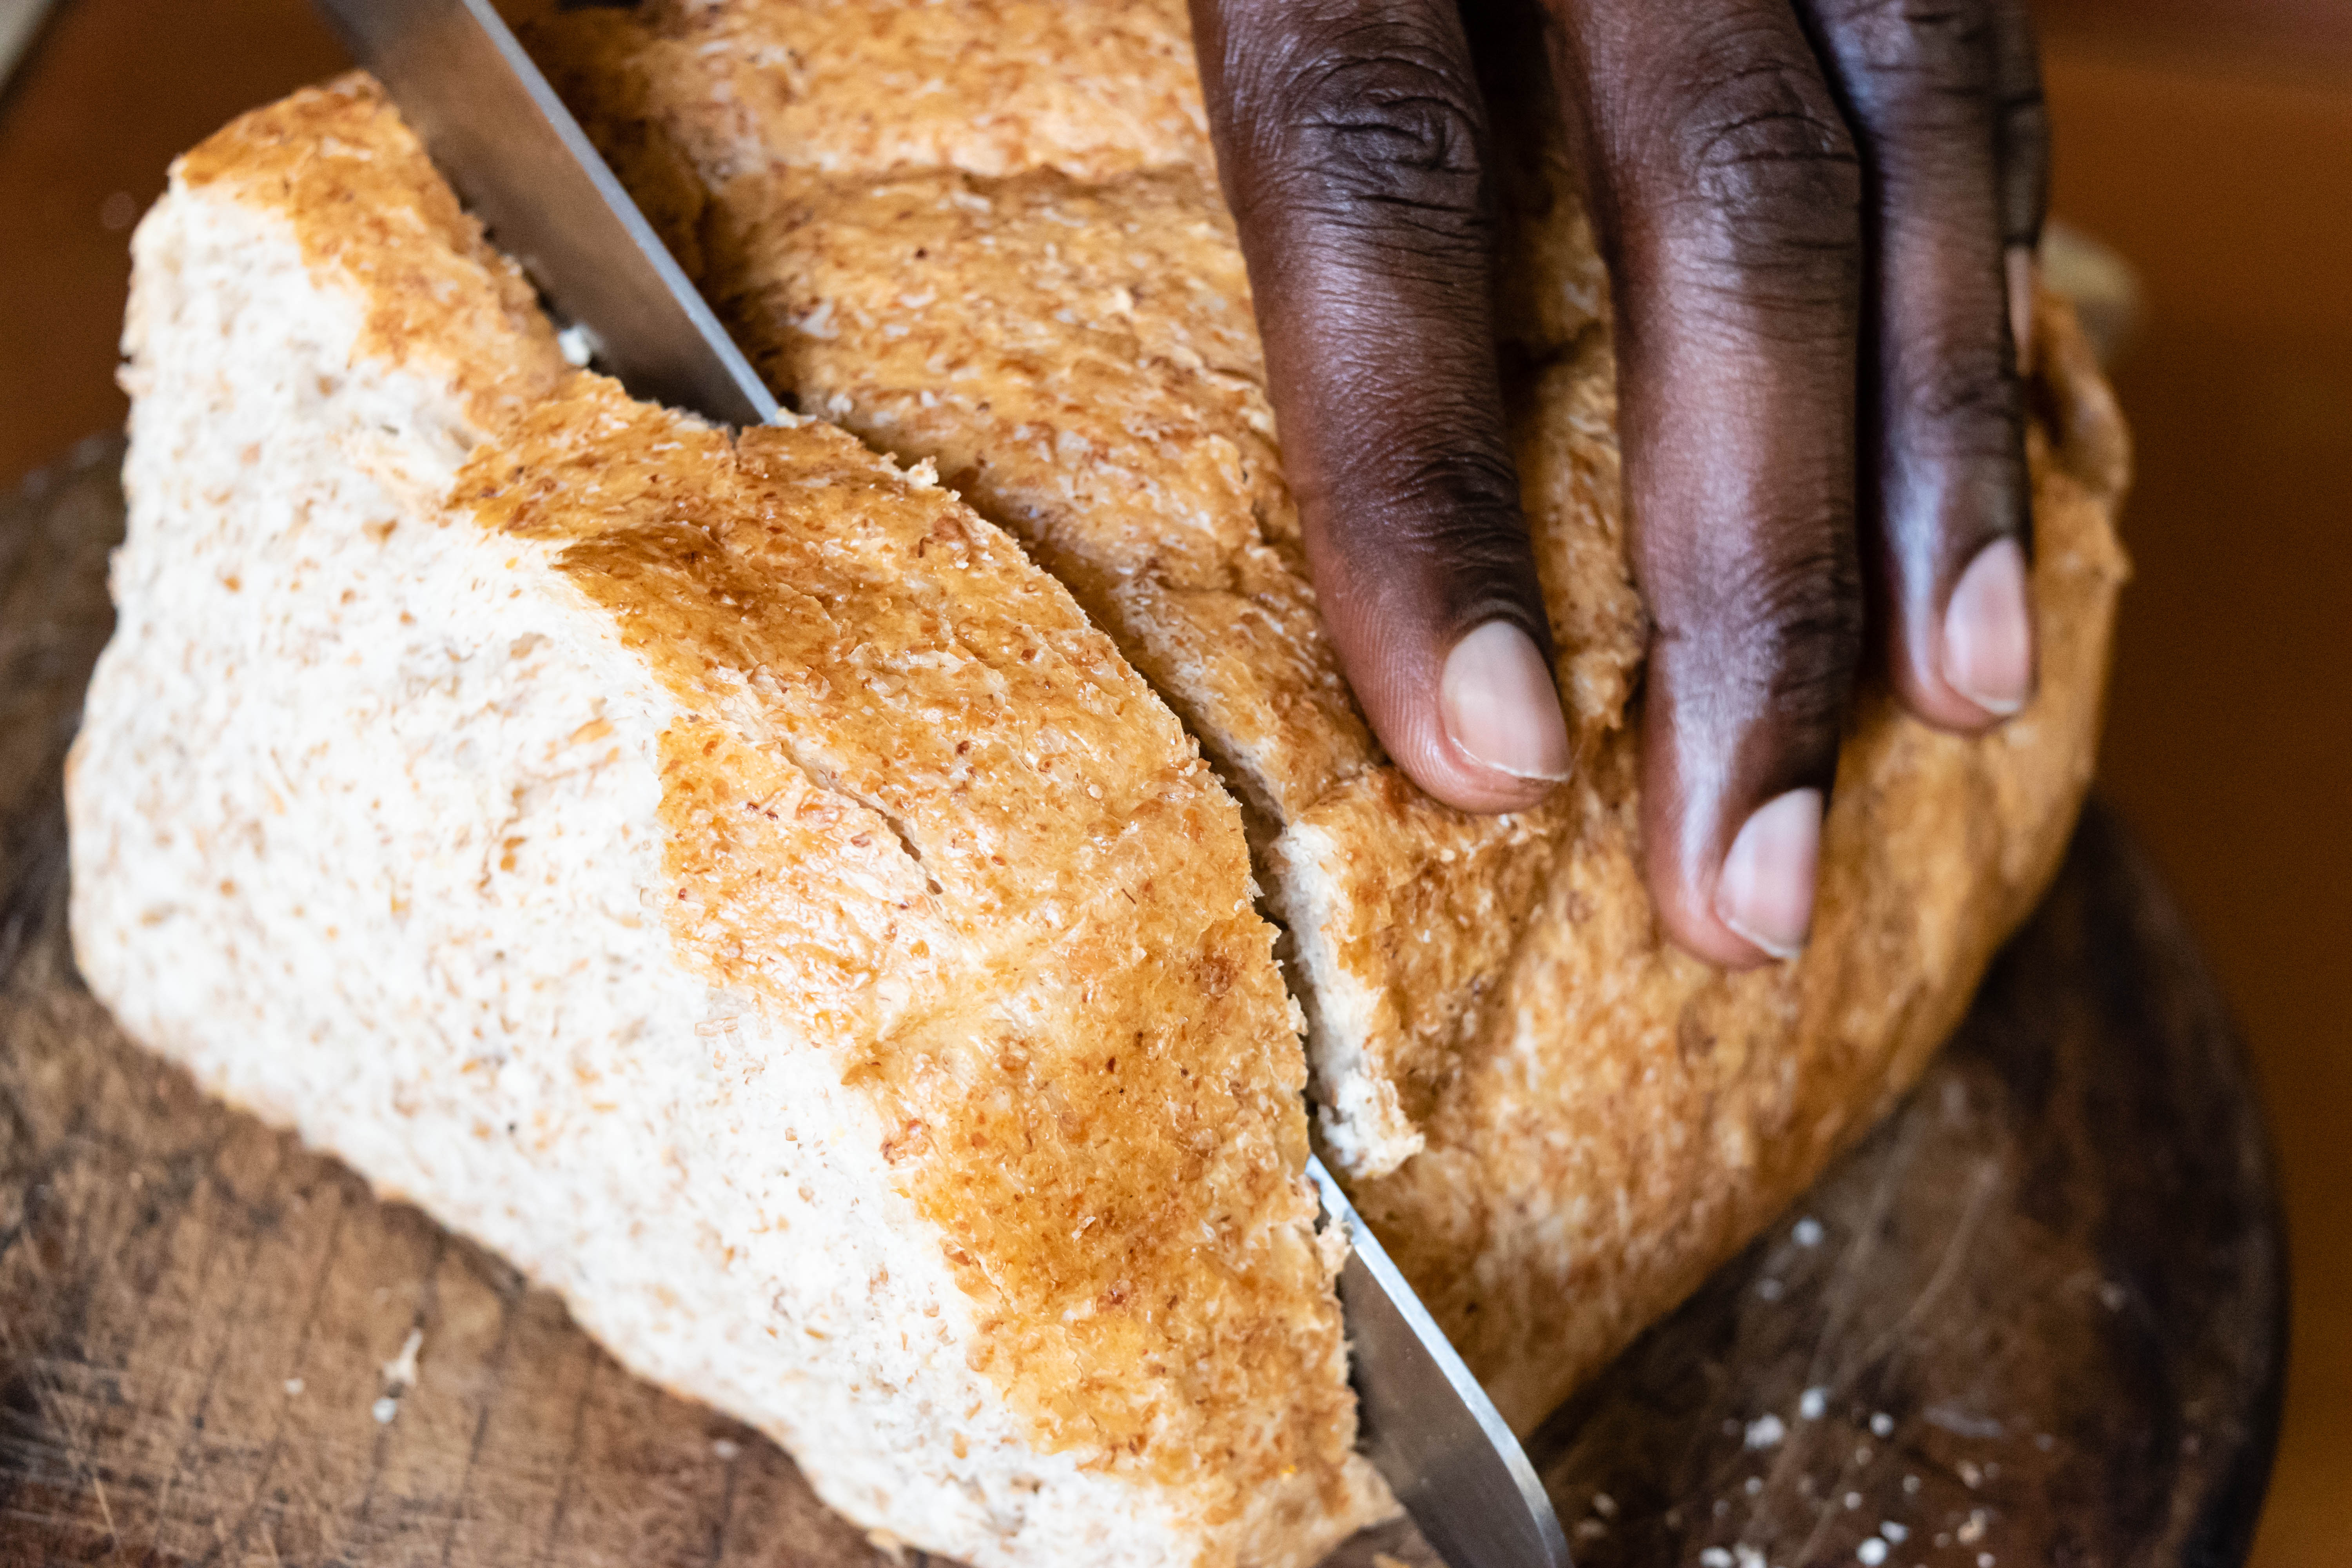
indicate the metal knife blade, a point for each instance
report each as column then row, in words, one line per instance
column 519, row 160
column 1425, row 1421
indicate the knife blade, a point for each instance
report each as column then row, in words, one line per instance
column 521, row 161
column 521, row 164
column 1425, row 1423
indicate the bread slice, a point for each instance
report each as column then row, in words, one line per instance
column 720, row 872
column 997, row 245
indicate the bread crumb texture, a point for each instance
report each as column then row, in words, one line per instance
column 721, row 872
column 1002, row 249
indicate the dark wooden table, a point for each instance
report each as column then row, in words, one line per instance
column 2037, row 1318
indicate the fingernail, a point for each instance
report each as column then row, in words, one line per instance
column 1498, row 704
column 1765, row 893
column 1988, row 631
column 2020, row 265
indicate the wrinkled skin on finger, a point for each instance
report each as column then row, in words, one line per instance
column 1350, row 137
column 1818, row 217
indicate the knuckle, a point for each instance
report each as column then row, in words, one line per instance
column 1447, row 499
column 1465, row 499
column 1384, row 131
column 1918, row 75
column 1938, row 43
column 1973, row 393
column 1800, row 620
column 1763, row 173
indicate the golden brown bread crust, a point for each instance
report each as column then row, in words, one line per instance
column 1066, row 333
column 1063, row 997
column 926, row 818
column 370, row 207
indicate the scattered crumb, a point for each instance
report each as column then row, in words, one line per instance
column 1984, row 1560
column 2045, row 1442
column 1714, row 1557
column 725, row 1449
column 1590, row 1530
column 1749, row 1556
column 293, row 1387
column 1897, row 1533
column 1604, row 1505
column 887, row 1544
column 1768, row 1288
column 400, row 1372
column 1765, row 1431
column 1961, row 1423
column 1911, row 1485
column 1853, row 1500
column 1882, row 1425
column 1812, row 1402
column 1808, row 1232
column 1872, row 1552
column 1973, row 1531
column 1862, row 1453
column 1755, row 1485
column 1970, row 1474
column 576, row 347
column 383, row 1410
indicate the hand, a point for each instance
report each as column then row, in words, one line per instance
column 1819, row 219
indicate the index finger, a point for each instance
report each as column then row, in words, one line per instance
column 1349, row 136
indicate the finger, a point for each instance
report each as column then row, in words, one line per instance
column 1348, row 136
column 2021, row 157
column 1728, row 191
column 1945, row 512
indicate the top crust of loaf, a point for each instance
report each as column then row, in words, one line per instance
column 858, row 89
column 930, row 823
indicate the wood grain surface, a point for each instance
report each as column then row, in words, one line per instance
column 2037, row 1318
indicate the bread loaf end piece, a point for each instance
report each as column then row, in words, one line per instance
column 721, row 875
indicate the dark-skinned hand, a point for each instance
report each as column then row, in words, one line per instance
column 1819, row 219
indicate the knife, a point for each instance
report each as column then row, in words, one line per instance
column 522, row 165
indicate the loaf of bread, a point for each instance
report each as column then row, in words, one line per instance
column 988, row 234
column 822, row 898
column 721, row 873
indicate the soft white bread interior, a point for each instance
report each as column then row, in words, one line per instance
column 988, row 234
column 721, row 873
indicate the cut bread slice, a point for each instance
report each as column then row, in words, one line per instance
column 1557, row 1121
column 718, row 872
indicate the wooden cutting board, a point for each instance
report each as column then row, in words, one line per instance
column 2037, row 1318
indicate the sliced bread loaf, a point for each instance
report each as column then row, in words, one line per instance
column 720, row 872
